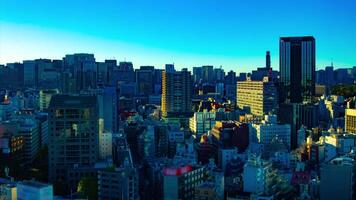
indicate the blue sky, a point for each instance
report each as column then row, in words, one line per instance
column 231, row 33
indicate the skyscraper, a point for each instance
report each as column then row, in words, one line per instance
column 74, row 134
column 176, row 93
column 145, row 80
column 297, row 68
column 84, row 68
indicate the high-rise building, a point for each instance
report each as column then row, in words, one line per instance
column 111, row 64
column 259, row 97
column 145, row 80
column 296, row 115
column 350, row 120
column 197, row 74
column 29, row 73
column 19, row 74
column 74, row 134
column 46, row 75
column 208, row 74
column 297, row 68
column 84, row 69
column 230, row 86
column 102, row 73
column 176, row 93
column 108, row 108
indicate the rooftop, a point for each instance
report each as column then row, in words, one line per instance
column 33, row 184
column 73, row 101
column 297, row 39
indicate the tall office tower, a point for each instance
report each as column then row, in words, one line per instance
column 74, row 134
column 176, row 93
column 112, row 64
column 157, row 80
column 208, row 74
column 296, row 115
column 230, row 78
column 169, row 68
column 197, row 74
column 144, row 80
column 46, row 75
column 125, row 66
column 107, row 101
column 8, row 78
column 29, row 73
column 124, row 73
column 84, row 69
column 350, row 121
column 230, row 86
column 18, row 69
column 102, row 73
column 268, row 60
column 259, row 97
column 329, row 75
column 219, row 75
column 297, row 68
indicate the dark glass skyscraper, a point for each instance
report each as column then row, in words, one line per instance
column 297, row 68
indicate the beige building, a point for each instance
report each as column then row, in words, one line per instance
column 350, row 121
column 258, row 97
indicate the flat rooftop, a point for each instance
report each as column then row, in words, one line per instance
column 73, row 101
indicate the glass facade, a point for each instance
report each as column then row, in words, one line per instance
column 297, row 68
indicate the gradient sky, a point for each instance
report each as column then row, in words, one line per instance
column 231, row 33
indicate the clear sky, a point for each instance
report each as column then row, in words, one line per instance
column 231, row 33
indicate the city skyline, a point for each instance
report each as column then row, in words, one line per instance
column 232, row 35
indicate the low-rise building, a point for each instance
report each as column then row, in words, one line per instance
column 31, row 190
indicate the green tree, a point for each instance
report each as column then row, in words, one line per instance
column 88, row 187
column 344, row 90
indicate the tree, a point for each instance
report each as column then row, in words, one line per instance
column 344, row 90
column 88, row 187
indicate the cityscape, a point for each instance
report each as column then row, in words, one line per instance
column 78, row 126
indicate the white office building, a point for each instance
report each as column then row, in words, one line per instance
column 269, row 128
column 202, row 122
